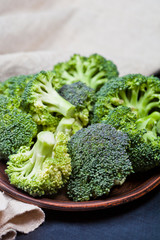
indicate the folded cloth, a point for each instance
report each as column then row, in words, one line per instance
column 18, row 216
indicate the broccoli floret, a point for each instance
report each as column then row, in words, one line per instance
column 16, row 129
column 144, row 148
column 121, row 118
column 99, row 161
column 43, row 102
column 5, row 103
column 140, row 93
column 82, row 97
column 94, row 70
column 43, row 169
column 40, row 94
column 14, row 87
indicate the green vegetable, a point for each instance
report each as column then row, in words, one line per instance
column 99, row 161
column 43, row 102
column 82, row 97
column 94, row 70
column 131, row 104
column 14, row 87
column 16, row 129
column 43, row 169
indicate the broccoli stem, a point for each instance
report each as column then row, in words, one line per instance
column 54, row 102
column 65, row 125
column 42, row 149
column 134, row 97
column 70, row 79
column 97, row 80
column 79, row 68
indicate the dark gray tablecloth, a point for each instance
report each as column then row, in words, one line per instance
column 137, row 220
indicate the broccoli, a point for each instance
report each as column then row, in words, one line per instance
column 68, row 126
column 16, row 129
column 43, row 102
column 140, row 93
column 99, row 161
column 82, row 97
column 94, row 70
column 132, row 104
column 5, row 103
column 14, row 87
column 144, row 148
column 44, row 168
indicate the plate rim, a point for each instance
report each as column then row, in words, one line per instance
column 61, row 205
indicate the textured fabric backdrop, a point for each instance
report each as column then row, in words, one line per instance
column 125, row 31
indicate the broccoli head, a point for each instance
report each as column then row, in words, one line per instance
column 43, row 169
column 94, row 70
column 14, row 87
column 140, row 93
column 82, row 97
column 6, row 103
column 144, row 147
column 43, row 102
column 99, row 161
column 16, row 129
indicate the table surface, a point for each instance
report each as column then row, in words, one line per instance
column 137, row 220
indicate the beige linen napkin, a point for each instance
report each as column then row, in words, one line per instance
column 17, row 216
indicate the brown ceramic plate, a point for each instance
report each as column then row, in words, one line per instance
column 135, row 187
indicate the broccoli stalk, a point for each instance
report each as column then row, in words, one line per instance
column 41, row 150
column 43, row 169
column 68, row 126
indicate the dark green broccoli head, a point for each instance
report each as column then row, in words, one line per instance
column 136, row 91
column 144, row 148
column 99, row 161
column 14, row 87
column 16, row 129
column 94, row 70
column 42, row 100
column 6, row 103
column 82, row 97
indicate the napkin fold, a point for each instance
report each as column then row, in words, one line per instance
column 18, row 216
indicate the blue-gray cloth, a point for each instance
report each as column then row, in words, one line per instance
column 137, row 220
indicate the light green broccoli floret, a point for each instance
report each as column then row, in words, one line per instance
column 43, row 169
column 40, row 98
column 94, row 70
